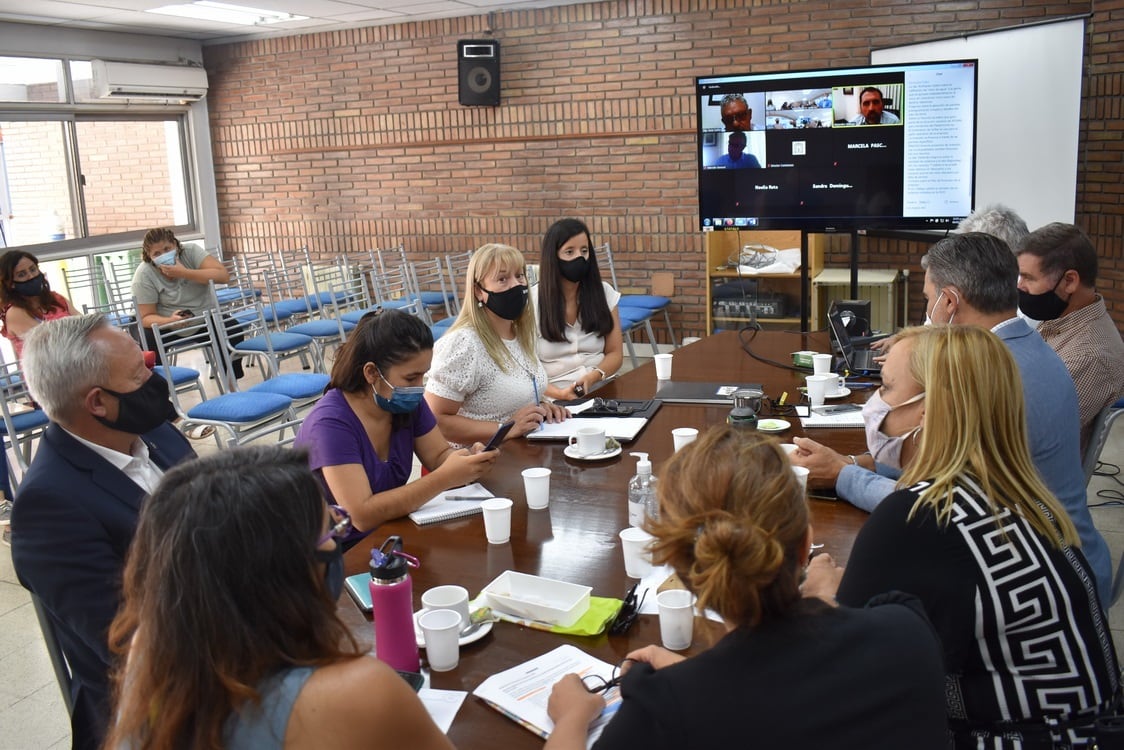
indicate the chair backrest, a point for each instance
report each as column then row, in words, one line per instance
column 391, row 258
column 287, row 286
column 432, row 283
column 119, row 281
column 457, row 266
column 197, row 334
column 240, row 314
column 54, row 650
column 1099, row 436
column 604, row 251
column 348, row 291
column 85, row 285
column 395, row 289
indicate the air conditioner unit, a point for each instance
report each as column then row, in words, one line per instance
column 116, row 80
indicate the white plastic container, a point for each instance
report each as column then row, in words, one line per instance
column 536, row 598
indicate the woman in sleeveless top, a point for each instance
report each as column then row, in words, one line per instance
column 228, row 625
column 26, row 299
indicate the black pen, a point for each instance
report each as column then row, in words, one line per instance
column 454, row 498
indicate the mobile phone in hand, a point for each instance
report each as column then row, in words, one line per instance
column 501, row 433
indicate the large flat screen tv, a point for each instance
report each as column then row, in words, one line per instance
column 891, row 146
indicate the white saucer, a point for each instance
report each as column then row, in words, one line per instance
column 464, row 641
column 772, row 425
column 571, row 451
column 843, row 393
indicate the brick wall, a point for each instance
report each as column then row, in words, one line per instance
column 354, row 139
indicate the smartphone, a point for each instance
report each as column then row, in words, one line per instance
column 501, row 433
column 836, row 409
column 415, row 680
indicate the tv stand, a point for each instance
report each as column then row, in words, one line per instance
column 770, row 300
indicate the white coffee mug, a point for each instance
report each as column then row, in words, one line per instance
column 588, row 440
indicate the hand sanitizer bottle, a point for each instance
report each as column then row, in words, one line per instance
column 642, row 492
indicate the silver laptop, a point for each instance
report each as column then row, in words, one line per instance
column 682, row 392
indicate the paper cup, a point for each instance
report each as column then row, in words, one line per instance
column 821, row 364
column 663, row 366
column 447, row 597
column 801, row 473
column 588, row 441
column 497, row 519
column 819, row 386
column 441, row 629
column 677, row 618
column 536, row 483
column 683, row 436
column 637, row 553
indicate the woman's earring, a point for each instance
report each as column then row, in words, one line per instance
column 479, row 303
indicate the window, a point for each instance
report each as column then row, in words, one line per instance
column 75, row 167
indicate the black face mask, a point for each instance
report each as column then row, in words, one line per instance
column 1045, row 306
column 32, row 287
column 142, row 410
column 333, row 574
column 508, row 304
column 575, row 269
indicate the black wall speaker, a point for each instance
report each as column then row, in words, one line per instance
column 478, row 72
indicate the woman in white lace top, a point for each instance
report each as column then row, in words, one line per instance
column 485, row 371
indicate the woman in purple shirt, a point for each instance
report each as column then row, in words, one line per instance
column 362, row 435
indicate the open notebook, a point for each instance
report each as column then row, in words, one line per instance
column 624, row 429
column 441, row 508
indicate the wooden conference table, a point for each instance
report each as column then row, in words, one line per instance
column 575, row 538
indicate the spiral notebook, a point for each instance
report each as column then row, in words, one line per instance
column 441, row 508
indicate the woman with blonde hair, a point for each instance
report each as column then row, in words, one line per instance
column 974, row 533
column 485, row 369
column 229, row 624
column 791, row 671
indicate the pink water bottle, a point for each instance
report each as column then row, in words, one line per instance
column 392, row 604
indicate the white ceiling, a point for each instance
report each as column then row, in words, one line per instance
column 323, row 15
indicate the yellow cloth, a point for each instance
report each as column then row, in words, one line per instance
column 602, row 611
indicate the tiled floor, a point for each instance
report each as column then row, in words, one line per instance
column 33, row 716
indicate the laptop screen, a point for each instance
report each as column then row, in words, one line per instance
column 839, row 335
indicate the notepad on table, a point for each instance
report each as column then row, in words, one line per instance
column 844, row 419
column 521, row 693
column 624, row 429
column 441, row 508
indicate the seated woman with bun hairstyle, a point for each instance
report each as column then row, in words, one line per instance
column 791, row 670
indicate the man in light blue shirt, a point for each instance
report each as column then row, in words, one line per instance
column 971, row 279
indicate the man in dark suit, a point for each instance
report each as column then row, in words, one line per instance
column 107, row 446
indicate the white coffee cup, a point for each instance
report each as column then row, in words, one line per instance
column 663, row 366
column 536, row 483
column 788, row 448
column 637, row 552
column 683, row 436
column 819, row 386
column 447, row 597
column 677, row 618
column 587, row 441
column 441, row 629
column 497, row 519
column 821, row 364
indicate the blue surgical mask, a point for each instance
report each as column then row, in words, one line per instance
column 403, row 399
column 167, row 259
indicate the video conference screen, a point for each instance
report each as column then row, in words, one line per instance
column 891, row 146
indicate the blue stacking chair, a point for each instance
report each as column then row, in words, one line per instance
column 245, row 316
column 431, row 285
column 234, row 412
column 289, row 284
column 651, row 303
column 22, row 421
